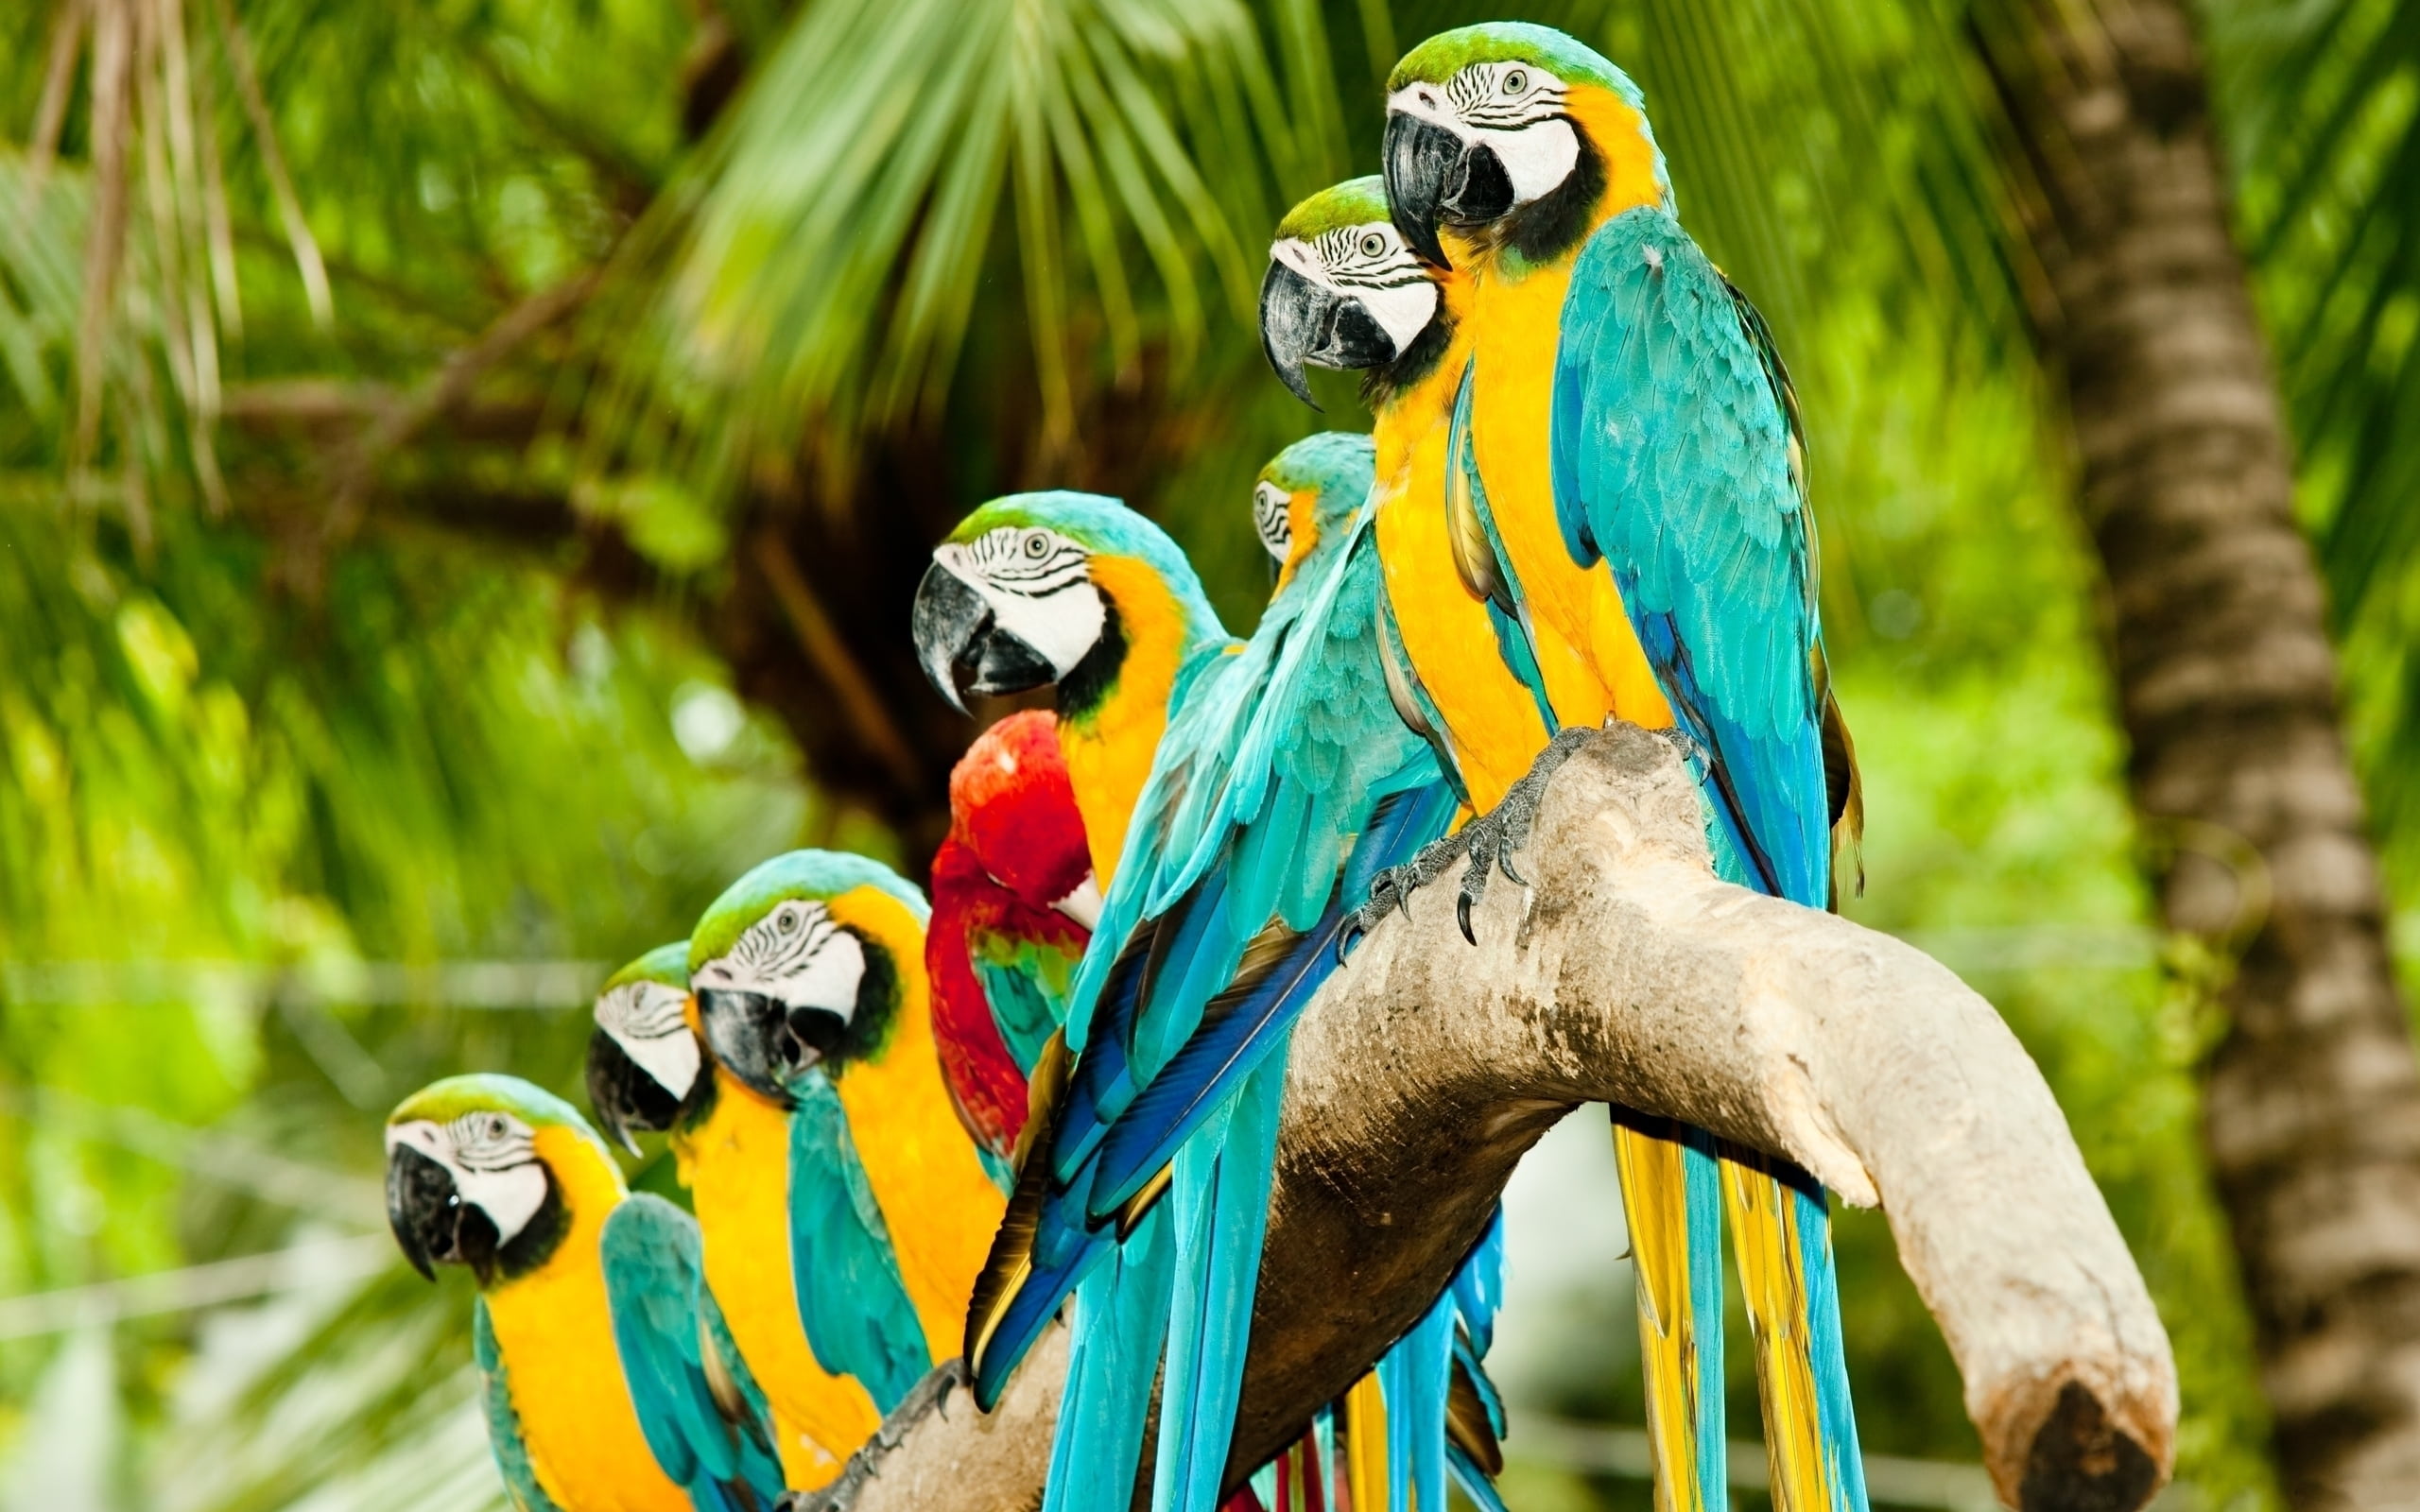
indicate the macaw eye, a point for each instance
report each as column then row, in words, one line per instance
column 1372, row 244
column 1516, row 81
column 495, row 1126
column 1037, row 544
column 786, row 920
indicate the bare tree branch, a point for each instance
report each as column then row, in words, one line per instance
column 1629, row 974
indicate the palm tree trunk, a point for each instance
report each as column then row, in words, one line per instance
column 2228, row 687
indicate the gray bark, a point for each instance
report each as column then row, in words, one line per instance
column 1628, row 973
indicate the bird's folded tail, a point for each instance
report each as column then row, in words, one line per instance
column 1782, row 1236
column 1121, row 1319
column 1218, row 1203
column 1414, row 1375
column 1672, row 1201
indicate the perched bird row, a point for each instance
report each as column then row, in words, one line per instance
column 914, row 1135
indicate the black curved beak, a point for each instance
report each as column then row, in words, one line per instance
column 1294, row 314
column 962, row 646
column 749, row 1034
column 1304, row 325
column 1420, row 157
column 432, row 1224
column 624, row 1096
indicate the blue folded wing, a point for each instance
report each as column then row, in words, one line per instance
column 851, row 1301
column 703, row 1417
column 1676, row 461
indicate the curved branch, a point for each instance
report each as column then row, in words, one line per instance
column 1627, row 973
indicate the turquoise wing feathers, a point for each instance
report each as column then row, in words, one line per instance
column 1675, row 460
column 851, row 1298
column 705, row 1419
column 504, row 1423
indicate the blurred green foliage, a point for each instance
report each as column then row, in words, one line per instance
column 238, row 733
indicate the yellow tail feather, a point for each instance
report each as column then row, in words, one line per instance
column 1764, row 1228
column 1654, row 1203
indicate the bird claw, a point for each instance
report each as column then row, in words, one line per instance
column 1487, row 842
column 1494, row 837
column 1390, row 891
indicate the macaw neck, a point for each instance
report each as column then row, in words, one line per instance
column 1619, row 169
column 1110, row 717
column 938, row 1202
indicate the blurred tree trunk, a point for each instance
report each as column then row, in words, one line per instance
column 2227, row 686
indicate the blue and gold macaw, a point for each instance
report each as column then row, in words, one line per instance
column 1627, row 472
column 1147, row 1195
column 1078, row 592
column 1461, row 667
column 649, row 1069
column 845, row 1209
column 610, row 1381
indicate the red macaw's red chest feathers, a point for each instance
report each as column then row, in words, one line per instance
column 1008, row 923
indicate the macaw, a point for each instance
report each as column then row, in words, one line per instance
column 647, row 1069
column 610, row 1382
column 1470, row 677
column 812, row 994
column 1629, row 460
column 1344, row 290
column 1147, row 1195
column 1013, row 905
column 1077, row 591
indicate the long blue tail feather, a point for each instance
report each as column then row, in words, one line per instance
column 1122, row 1319
column 1221, row 1197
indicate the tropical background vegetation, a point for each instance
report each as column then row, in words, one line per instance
column 463, row 465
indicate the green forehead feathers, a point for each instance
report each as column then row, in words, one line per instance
column 490, row 1092
column 1565, row 57
column 819, row 875
column 1339, row 207
column 667, row 963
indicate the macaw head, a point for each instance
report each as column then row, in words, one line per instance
column 643, row 1058
column 1512, row 133
column 1305, row 497
column 1012, row 807
column 484, row 1171
column 1036, row 588
column 1343, row 290
column 807, row 961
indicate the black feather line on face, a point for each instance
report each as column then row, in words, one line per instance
column 1089, row 684
column 1381, row 387
column 876, row 1015
column 1555, row 223
column 538, row 1239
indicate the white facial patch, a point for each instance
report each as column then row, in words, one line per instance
column 1536, row 157
column 1270, row 521
column 795, row 956
column 1515, row 109
column 646, row 1019
column 493, row 1157
column 1038, row 585
column 1372, row 265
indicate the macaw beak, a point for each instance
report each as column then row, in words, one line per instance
column 432, row 1224
column 624, row 1094
column 749, row 1036
column 763, row 1041
column 961, row 646
column 1302, row 324
column 1434, row 175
